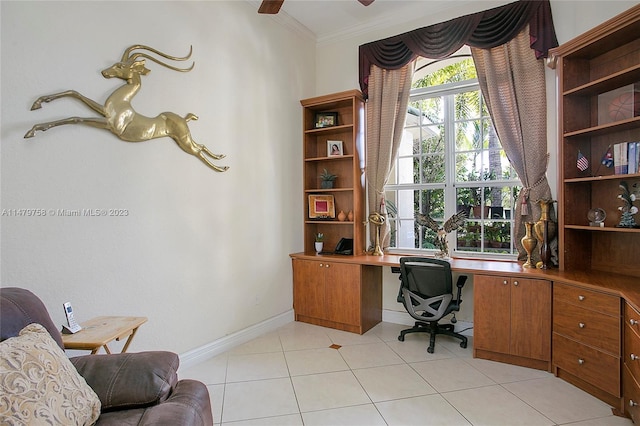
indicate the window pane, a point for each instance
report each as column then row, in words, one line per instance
column 467, row 105
column 470, row 237
column 468, row 135
column 433, row 169
column 433, row 142
column 405, row 170
column 497, row 237
column 431, row 202
column 429, row 110
column 464, row 165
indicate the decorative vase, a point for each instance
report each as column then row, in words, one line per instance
column 529, row 243
column 544, row 216
column 545, row 249
column 326, row 184
column 350, row 216
column 342, row 216
column 319, row 245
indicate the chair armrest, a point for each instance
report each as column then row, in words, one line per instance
column 189, row 404
column 462, row 279
column 129, row 380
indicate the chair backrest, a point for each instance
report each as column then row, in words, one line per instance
column 425, row 276
column 19, row 308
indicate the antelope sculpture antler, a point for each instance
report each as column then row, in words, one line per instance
column 119, row 117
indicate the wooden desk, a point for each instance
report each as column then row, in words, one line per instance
column 624, row 286
column 100, row 331
column 519, row 314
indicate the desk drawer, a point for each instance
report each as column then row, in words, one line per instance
column 632, row 347
column 592, row 328
column 579, row 296
column 598, row 368
column 632, row 318
column 631, row 396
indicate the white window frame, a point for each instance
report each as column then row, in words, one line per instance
column 448, row 91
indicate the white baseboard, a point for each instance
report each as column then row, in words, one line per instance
column 396, row 317
column 226, row 343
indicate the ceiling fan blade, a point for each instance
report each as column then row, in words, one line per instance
column 366, row 2
column 270, row 7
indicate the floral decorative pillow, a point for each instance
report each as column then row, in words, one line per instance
column 39, row 385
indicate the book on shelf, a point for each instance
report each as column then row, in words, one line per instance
column 626, row 158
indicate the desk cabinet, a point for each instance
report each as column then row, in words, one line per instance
column 344, row 296
column 512, row 320
column 586, row 340
column 631, row 374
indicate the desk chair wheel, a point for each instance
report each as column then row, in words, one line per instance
column 463, row 344
column 401, row 337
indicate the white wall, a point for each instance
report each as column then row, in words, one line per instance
column 337, row 69
column 201, row 254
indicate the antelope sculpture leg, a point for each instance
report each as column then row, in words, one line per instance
column 99, row 123
column 119, row 117
column 71, row 94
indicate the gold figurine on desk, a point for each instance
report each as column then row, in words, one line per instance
column 119, row 117
column 378, row 220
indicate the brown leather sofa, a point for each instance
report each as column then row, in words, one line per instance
column 133, row 388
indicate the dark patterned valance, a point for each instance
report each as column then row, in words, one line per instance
column 484, row 30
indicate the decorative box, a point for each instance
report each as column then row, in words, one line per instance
column 619, row 104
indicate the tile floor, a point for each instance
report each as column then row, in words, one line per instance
column 292, row 376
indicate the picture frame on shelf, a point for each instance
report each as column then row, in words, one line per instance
column 334, row 148
column 326, row 119
column 322, row 207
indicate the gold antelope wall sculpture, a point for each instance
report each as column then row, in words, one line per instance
column 119, row 117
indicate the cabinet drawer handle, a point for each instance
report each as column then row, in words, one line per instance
column 581, row 325
column 632, row 404
column 326, row 265
column 516, row 283
column 581, row 298
column 580, row 361
column 634, row 357
column 505, row 282
column 633, row 322
column 321, row 265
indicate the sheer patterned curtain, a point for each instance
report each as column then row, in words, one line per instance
column 386, row 111
column 512, row 82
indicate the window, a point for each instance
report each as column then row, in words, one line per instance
column 450, row 159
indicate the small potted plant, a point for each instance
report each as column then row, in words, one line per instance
column 327, row 179
column 319, row 242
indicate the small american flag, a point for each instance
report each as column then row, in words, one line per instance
column 582, row 162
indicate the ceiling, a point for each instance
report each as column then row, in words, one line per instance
column 334, row 18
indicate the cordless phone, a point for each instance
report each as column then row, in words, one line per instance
column 72, row 325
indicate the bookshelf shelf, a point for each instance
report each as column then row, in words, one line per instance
column 595, row 63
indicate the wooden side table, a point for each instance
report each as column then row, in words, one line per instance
column 100, row 331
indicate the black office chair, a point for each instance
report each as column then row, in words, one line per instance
column 426, row 291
